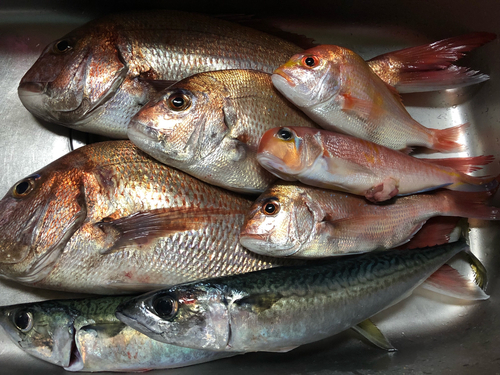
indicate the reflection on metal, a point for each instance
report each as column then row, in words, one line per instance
column 432, row 336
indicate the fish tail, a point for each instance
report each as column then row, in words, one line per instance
column 469, row 204
column 445, row 140
column 428, row 67
column 465, row 164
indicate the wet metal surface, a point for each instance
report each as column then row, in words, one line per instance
column 431, row 334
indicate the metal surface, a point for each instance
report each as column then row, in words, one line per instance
column 432, row 335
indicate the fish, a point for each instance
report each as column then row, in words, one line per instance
column 285, row 307
column 335, row 161
column 209, row 125
column 84, row 335
column 98, row 76
column 337, row 89
column 107, row 219
column 300, row 221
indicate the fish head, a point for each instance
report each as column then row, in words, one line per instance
column 279, row 223
column 289, row 151
column 310, row 78
column 44, row 330
column 193, row 315
column 38, row 216
column 181, row 125
column 75, row 76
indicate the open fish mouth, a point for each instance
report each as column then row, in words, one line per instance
column 75, row 357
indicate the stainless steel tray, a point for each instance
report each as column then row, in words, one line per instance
column 432, row 335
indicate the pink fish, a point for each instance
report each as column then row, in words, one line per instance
column 301, row 221
column 337, row 89
column 340, row 162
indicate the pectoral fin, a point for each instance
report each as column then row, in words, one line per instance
column 367, row 110
column 372, row 333
column 142, row 227
column 258, row 302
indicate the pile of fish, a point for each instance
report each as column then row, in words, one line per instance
column 174, row 212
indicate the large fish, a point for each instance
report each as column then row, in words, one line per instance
column 339, row 91
column 284, row 307
column 307, row 222
column 335, row 161
column 84, row 335
column 210, row 124
column 98, row 76
column 107, row 218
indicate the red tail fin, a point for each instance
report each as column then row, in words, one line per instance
column 464, row 165
column 445, row 140
column 470, row 205
column 428, row 67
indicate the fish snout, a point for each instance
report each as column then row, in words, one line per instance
column 26, row 88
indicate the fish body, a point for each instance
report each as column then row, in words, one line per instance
column 340, row 162
column 84, row 335
column 306, row 222
column 99, row 75
column 209, row 125
column 107, row 218
column 284, row 307
column 339, row 91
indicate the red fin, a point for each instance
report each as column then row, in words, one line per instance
column 434, row 80
column 469, row 204
column 445, row 140
column 446, row 280
column 464, row 165
column 428, row 67
column 436, row 231
column 142, row 227
column 394, row 92
column 365, row 109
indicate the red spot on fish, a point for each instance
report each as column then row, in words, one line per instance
column 128, row 275
column 129, row 355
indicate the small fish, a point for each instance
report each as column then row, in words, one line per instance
column 337, row 89
column 209, row 125
column 99, row 75
column 84, row 335
column 106, row 218
column 284, row 307
column 300, row 221
column 340, row 162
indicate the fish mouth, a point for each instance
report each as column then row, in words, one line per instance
column 147, row 138
column 275, row 165
column 30, row 88
column 279, row 74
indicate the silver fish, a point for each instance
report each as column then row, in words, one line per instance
column 284, row 307
column 107, row 218
column 84, row 335
column 209, row 125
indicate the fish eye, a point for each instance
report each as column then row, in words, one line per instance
column 23, row 187
column 62, row 46
column 270, row 208
column 179, row 102
column 165, row 306
column 284, row 134
column 23, row 320
column 310, row 61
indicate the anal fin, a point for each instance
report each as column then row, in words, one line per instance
column 372, row 333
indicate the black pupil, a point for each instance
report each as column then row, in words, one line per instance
column 178, row 101
column 63, row 45
column 22, row 187
column 164, row 307
column 309, row 61
column 22, row 320
column 285, row 134
column 270, row 208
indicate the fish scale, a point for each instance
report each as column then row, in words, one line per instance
column 281, row 308
column 100, row 245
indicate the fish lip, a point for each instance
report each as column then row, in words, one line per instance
column 280, row 73
column 30, row 88
column 271, row 163
column 269, row 250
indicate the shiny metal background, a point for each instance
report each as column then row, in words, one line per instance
column 433, row 335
